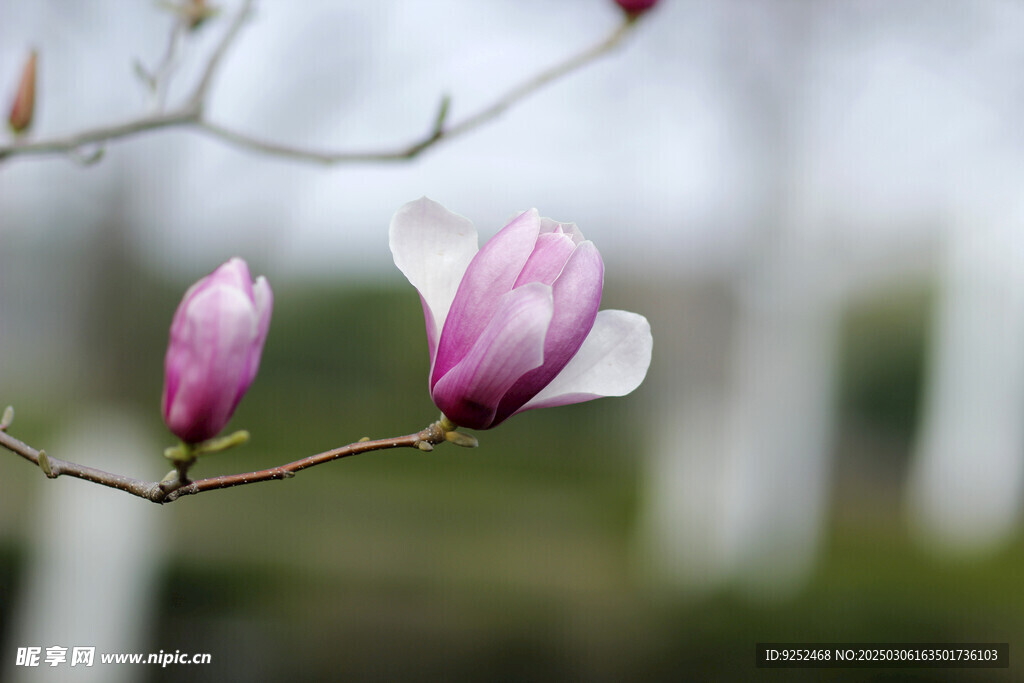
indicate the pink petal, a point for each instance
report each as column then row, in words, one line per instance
column 233, row 273
column 511, row 345
column 613, row 361
column 490, row 275
column 547, row 259
column 577, row 296
column 263, row 301
column 209, row 359
column 432, row 247
column 178, row 353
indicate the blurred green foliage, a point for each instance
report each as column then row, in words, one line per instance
column 884, row 360
column 516, row 561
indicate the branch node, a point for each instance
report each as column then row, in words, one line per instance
column 87, row 158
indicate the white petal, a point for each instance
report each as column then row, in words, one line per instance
column 613, row 361
column 433, row 247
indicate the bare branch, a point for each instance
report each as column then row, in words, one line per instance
column 438, row 131
column 168, row 491
column 57, row 467
column 191, row 114
column 71, row 143
column 532, row 85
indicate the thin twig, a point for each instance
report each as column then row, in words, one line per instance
column 198, row 98
column 191, row 113
column 161, row 77
column 164, row 492
column 532, row 85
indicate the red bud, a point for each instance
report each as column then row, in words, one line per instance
column 25, row 100
column 196, row 12
column 635, row 8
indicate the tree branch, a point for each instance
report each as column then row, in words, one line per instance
column 72, row 144
column 191, row 114
column 170, row 490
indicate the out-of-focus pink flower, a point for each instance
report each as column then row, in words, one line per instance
column 216, row 341
column 24, row 105
column 635, row 7
column 515, row 325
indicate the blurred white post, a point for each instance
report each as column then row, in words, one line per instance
column 739, row 474
column 966, row 481
column 781, row 423
column 686, row 475
column 94, row 556
column 738, row 480
column 685, row 496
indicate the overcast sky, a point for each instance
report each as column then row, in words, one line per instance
column 869, row 122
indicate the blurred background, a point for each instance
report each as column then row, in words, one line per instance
column 816, row 204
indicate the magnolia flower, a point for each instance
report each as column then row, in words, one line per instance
column 216, row 341
column 515, row 325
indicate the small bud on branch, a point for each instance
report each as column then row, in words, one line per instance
column 7, row 418
column 634, row 8
column 193, row 13
column 24, row 106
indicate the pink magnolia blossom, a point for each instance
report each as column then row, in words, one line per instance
column 515, row 325
column 214, row 352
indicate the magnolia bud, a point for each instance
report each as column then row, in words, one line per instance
column 25, row 99
column 195, row 12
column 635, row 8
column 214, row 352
